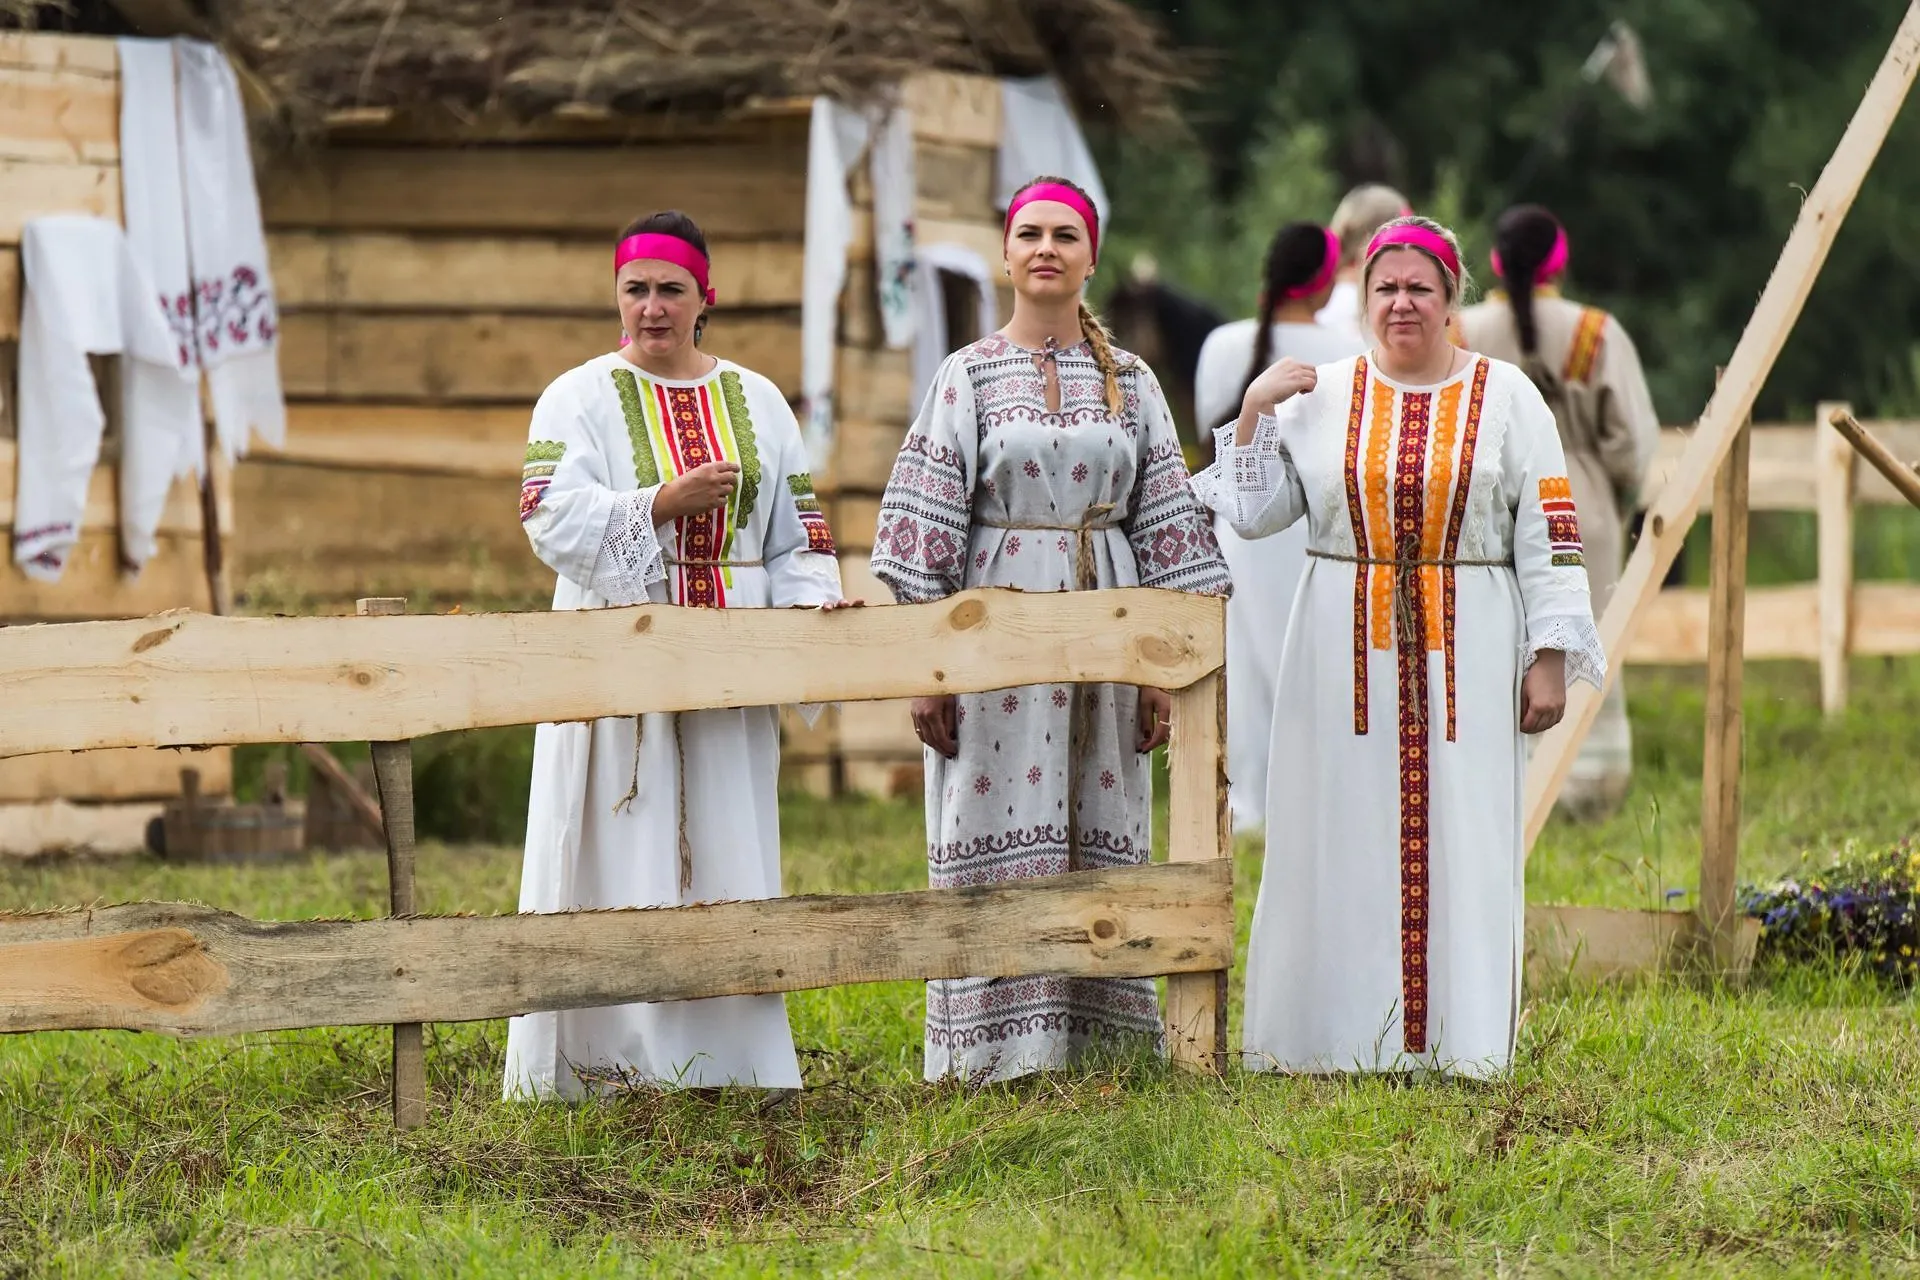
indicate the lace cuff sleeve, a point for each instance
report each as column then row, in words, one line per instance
column 1574, row 635
column 629, row 561
column 1249, row 476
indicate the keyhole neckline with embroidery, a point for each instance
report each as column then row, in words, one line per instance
column 1052, row 348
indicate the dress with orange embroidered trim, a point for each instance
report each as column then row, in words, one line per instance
column 1443, row 554
column 609, row 804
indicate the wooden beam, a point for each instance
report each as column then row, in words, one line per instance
column 1782, row 623
column 34, row 188
column 130, row 774
column 1720, row 782
column 193, row 970
column 1732, row 403
column 1780, row 479
column 59, row 116
column 1603, row 943
column 1198, row 833
column 190, row 680
column 56, row 51
column 180, row 514
column 1832, row 467
column 1905, row 478
column 946, row 106
column 94, row 587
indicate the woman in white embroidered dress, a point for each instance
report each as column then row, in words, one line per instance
column 1443, row 611
column 1589, row 372
column 1043, row 459
column 1299, row 274
column 660, row 473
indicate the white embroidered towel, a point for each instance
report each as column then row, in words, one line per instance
column 890, row 163
column 836, row 136
column 932, row 340
column 87, row 293
column 1040, row 136
column 236, row 320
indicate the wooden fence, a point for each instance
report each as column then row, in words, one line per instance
column 184, row 680
column 1799, row 468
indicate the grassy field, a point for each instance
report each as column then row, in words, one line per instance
column 1666, row 1129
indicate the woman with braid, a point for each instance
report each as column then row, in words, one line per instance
column 1585, row 365
column 1043, row 459
column 1299, row 277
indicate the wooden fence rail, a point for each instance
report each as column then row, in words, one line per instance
column 1797, row 467
column 192, row 680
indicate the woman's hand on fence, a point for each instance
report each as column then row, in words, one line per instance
column 700, row 490
column 936, row 722
column 831, row 605
column 1543, row 693
column 1156, row 718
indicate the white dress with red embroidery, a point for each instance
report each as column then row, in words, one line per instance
column 990, row 489
column 1388, row 933
column 605, row 816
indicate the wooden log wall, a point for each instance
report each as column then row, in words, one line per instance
column 870, row 747
column 60, row 153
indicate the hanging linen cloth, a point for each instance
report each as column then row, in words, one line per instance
column 890, row 168
column 193, row 215
column 1040, row 136
column 836, row 137
column 933, row 342
column 87, row 293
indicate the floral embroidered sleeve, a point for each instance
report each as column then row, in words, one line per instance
column 580, row 526
column 920, row 541
column 1547, row 556
column 1173, row 543
column 802, row 565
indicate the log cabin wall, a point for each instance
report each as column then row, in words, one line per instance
column 60, row 153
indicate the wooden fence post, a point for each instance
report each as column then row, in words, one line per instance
column 1833, row 471
column 1726, row 662
column 1196, row 1019
column 393, row 770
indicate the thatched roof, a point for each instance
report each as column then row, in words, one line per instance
column 527, row 58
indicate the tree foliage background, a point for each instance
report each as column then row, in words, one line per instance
column 1676, row 212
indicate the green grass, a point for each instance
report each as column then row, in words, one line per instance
column 1663, row 1129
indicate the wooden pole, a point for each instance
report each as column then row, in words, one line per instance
column 1904, row 478
column 1196, row 1016
column 1726, row 664
column 213, row 501
column 393, row 769
column 1833, row 514
column 1678, row 502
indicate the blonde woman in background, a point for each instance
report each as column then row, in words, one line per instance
column 1361, row 212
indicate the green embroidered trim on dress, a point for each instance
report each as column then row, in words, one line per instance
column 800, row 484
column 1567, row 560
column 545, row 450
column 735, row 396
column 533, row 469
column 646, row 471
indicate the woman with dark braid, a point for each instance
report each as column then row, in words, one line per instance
column 1585, row 365
column 1043, row 459
column 1298, row 278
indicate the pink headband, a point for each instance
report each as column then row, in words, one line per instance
column 1063, row 195
column 665, row 248
column 1417, row 237
column 1556, row 259
column 1324, row 276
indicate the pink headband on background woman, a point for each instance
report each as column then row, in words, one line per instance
column 1415, row 237
column 666, row 248
column 1323, row 277
column 1556, row 259
column 1063, row 195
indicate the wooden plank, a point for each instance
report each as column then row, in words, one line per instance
column 59, row 116
column 874, row 386
column 863, row 456
column 853, row 519
column 491, row 356
column 946, row 106
column 193, row 970
column 180, row 514
column 56, row 52
column 1782, row 623
column 953, row 183
column 735, row 191
column 1602, row 943
column 1198, row 833
column 134, row 773
column 192, row 680
column 93, row 586
column 491, row 424
column 1904, row 478
column 443, row 124
column 982, row 237
column 376, row 271
column 33, row 188
column 1832, row 468
column 1824, row 209
column 1780, row 478
column 9, row 303
column 1720, row 776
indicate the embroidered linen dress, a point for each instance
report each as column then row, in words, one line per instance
column 1388, row 931
column 1266, row 571
column 605, row 436
column 990, row 489
column 1586, row 346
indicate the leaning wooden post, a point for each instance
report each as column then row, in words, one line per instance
column 1833, row 512
column 1197, row 832
column 393, row 770
column 1903, row 477
column 1726, row 664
